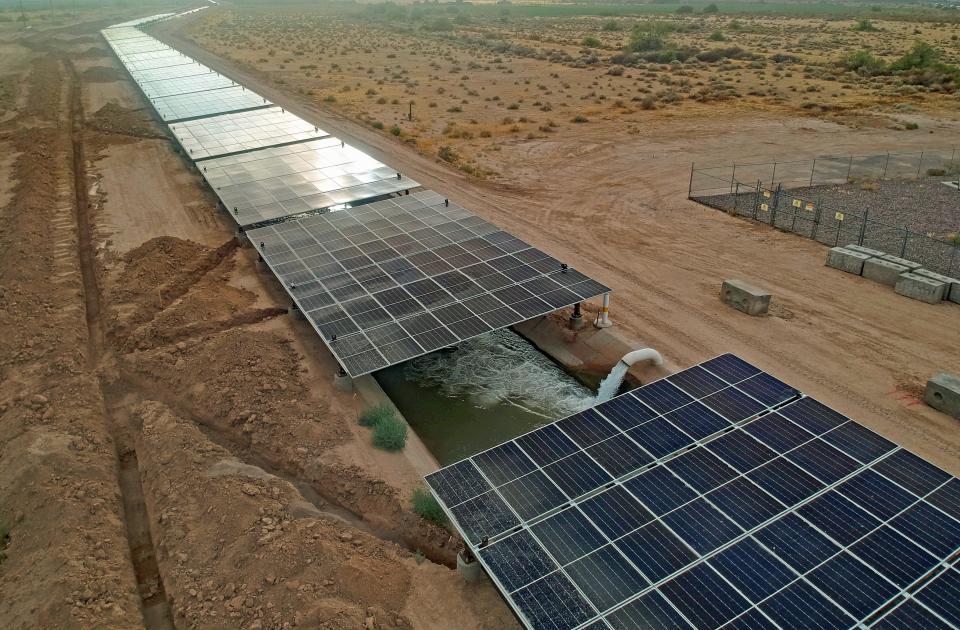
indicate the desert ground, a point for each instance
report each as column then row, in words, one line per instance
column 173, row 452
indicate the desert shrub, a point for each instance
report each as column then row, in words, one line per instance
column 711, row 8
column 911, row 126
column 591, row 42
column 439, row 25
column 717, row 36
column 612, row 25
column 936, row 172
column 784, row 58
column 371, row 416
column 735, row 25
column 447, row 154
column 377, row 124
column 390, row 434
column 428, row 507
column 580, row 118
column 865, row 26
column 922, row 55
column 648, row 102
column 733, row 52
column 395, row 130
column 864, row 63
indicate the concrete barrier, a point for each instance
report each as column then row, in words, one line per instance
column 920, row 288
column 846, row 260
column 883, row 271
column 745, row 297
column 943, row 394
column 951, row 291
column 875, row 253
column 909, row 264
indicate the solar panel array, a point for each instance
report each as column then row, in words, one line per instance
column 388, row 281
column 716, row 497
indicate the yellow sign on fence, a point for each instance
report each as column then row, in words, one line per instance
column 839, row 216
column 764, row 207
column 797, row 203
column 809, row 206
column 766, row 194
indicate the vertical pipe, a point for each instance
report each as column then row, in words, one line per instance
column 863, row 226
column 885, row 164
column 813, row 169
column 733, row 176
column 920, row 164
column 690, row 185
column 773, row 175
column 849, row 168
column 603, row 321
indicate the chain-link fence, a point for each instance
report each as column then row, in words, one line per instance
column 772, row 197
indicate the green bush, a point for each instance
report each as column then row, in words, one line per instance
column 612, row 25
column 427, row 507
column 711, row 8
column 390, row 433
column 863, row 62
column 865, row 26
column 717, row 36
column 377, row 124
column 591, row 42
column 395, row 130
column 371, row 416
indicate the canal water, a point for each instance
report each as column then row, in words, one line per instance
column 486, row 391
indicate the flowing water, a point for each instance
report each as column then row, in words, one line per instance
column 488, row 390
column 611, row 383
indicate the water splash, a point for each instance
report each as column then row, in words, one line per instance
column 502, row 368
column 610, row 385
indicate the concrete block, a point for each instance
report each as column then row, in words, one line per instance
column 883, row 271
column 920, row 288
column 909, row 264
column 943, row 394
column 846, row 260
column 745, row 297
column 876, row 253
column 951, row 291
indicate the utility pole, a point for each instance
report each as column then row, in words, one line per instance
column 410, row 113
column 23, row 17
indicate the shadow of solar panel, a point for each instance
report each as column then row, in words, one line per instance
column 568, row 535
column 552, row 603
column 483, row 516
column 517, row 560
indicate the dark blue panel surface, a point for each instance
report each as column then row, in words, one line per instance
column 878, row 495
column 702, row 526
column 484, row 516
column 741, row 451
column 910, row 615
column 753, row 619
column 532, row 495
column 659, row 437
column 752, row 569
column 893, row 555
column 785, row 481
column 942, row 595
column 577, row 474
column 697, row 420
column 606, row 577
column 649, row 612
column 616, row 512
column 859, row 442
column 823, row 461
column 813, row 415
column 947, row 498
column 655, row 551
column 733, row 404
column 745, row 503
column 547, row 445
column 930, row 528
column 662, row 396
column 800, row 606
column 660, row 490
column 731, row 368
column 767, row 389
column 778, row 432
column 504, row 463
column 852, row 584
column 911, row 472
column 796, row 542
column 457, row 483
column 619, row 455
column 553, row 604
column 587, row 428
column 517, row 560
column 704, row 597
column 697, row 382
column 626, row 411
column 568, row 535
column 839, row 518
column 701, row 469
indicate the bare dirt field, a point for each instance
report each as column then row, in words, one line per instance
column 172, row 450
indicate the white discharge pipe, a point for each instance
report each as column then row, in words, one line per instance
column 644, row 354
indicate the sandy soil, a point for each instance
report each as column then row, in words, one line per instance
column 616, row 206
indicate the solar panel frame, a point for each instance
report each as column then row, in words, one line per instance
column 392, row 291
column 179, row 107
column 829, row 518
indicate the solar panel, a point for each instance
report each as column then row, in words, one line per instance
column 242, row 131
column 169, row 72
column 163, row 61
column 746, row 504
column 185, row 85
column 391, row 280
column 281, row 181
column 208, row 103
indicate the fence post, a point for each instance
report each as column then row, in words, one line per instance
column 903, row 247
column 849, row 168
column 863, row 226
column 736, row 199
column 836, row 242
column 773, row 176
column 690, row 185
column 733, row 175
column 776, row 206
column 756, row 201
column 920, row 164
column 813, row 169
column 953, row 259
column 816, row 219
column 885, row 164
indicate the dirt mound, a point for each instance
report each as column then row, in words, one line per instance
column 101, row 74
column 94, row 52
column 112, row 118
